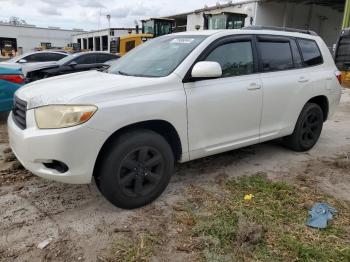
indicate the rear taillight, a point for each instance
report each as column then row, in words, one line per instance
column 338, row 75
column 17, row 79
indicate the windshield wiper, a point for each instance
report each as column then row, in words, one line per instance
column 136, row 75
column 123, row 73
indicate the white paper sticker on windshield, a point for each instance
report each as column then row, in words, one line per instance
column 182, row 41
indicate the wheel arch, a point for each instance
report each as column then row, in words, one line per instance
column 162, row 127
column 323, row 102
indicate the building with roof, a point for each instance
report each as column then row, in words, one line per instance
column 25, row 38
column 100, row 40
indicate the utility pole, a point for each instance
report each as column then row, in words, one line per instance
column 109, row 20
column 346, row 18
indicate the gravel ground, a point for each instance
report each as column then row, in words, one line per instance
column 80, row 225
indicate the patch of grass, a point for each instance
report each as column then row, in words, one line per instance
column 132, row 249
column 270, row 227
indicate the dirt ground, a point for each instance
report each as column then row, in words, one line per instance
column 80, row 225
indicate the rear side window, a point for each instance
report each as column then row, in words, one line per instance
column 310, row 52
column 235, row 58
column 276, row 56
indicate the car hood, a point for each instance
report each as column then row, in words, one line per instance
column 87, row 88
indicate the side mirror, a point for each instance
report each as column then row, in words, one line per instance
column 22, row 61
column 73, row 64
column 206, row 69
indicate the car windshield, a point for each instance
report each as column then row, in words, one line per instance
column 156, row 58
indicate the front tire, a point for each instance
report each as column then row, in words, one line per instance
column 135, row 169
column 307, row 130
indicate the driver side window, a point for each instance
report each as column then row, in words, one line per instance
column 235, row 58
column 38, row 57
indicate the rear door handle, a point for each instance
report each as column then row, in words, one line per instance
column 254, row 86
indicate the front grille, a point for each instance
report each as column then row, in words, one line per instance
column 19, row 113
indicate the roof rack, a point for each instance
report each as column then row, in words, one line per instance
column 276, row 28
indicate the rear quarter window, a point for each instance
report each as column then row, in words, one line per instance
column 310, row 52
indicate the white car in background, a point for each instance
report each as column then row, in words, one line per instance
column 178, row 97
column 35, row 60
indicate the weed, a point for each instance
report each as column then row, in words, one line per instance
column 139, row 248
column 270, row 227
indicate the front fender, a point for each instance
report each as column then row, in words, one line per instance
column 170, row 106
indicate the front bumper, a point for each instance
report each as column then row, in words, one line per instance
column 77, row 147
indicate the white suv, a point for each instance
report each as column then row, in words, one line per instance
column 175, row 98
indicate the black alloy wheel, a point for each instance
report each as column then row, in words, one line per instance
column 307, row 129
column 140, row 171
column 310, row 129
column 135, row 168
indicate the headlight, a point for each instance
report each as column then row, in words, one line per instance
column 60, row 116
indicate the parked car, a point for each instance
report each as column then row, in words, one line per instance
column 35, row 60
column 176, row 98
column 38, row 57
column 74, row 63
column 11, row 78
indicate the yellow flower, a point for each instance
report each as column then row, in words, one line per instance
column 248, row 197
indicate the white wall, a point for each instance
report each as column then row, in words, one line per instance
column 269, row 14
column 193, row 20
column 30, row 37
column 303, row 17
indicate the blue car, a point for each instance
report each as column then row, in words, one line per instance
column 11, row 78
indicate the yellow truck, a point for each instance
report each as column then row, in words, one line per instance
column 151, row 28
column 158, row 26
column 123, row 44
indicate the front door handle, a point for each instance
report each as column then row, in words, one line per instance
column 254, row 86
column 303, row 80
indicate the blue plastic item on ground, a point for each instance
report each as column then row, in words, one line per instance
column 320, row 214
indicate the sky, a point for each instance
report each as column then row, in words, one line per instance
column 85, row 14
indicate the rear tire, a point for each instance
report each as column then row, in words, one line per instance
column 307, row 130
column 135, row 169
